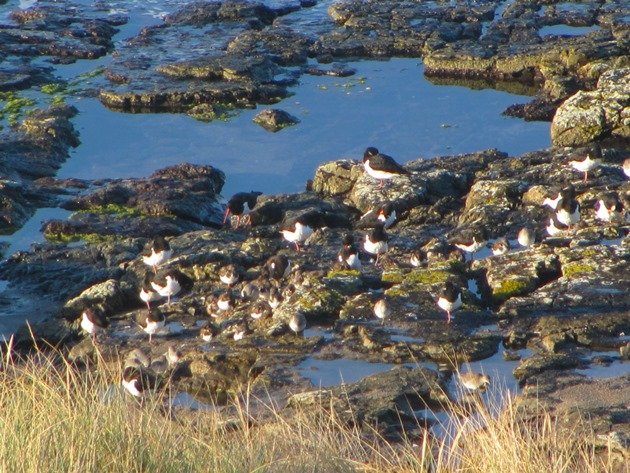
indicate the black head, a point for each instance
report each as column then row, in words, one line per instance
column 377, row 234
column 371, row 151
column 450, row 291
column 348, row 240
column 160, row 244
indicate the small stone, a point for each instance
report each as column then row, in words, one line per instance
column 275, row 120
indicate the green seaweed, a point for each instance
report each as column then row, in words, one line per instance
column 574, row 268
column 90, row 238
column 344, row 273
column 427, row 276
column 115, row 209
column 510, row 288
column 52, row 89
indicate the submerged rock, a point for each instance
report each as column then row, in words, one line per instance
column 274, row 119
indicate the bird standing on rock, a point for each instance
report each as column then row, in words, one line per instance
column 376, row 242
column 147, row 293
column 385, row 215
column 608, row 207
column 278, row 267
column 297, row 323
column 592, row 160
column 93, row 320
column 170, row 283
column 381, row 166
column 470, row 240
column 568, row 211
column 500, row 247
column 160, row 252
column 229, row 275
column 526, row 237
column 298, row 229
column 240, row 205
column 382, row 309
column 151, row 322
column 450, row 299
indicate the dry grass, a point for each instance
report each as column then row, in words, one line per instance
column 57, row 419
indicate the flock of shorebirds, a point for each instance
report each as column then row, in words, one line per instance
column 266, row 293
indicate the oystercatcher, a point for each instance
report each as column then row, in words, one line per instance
column 568, row 211
column 240, row 204
column 567, row 192
column 348, row 256
column 381, row 166
column 418, row 257
column 591, row 161
column 450, row 299
column 382, row 309
column 385, row 215
column 470, row 240
column 376, row 242
column 151, row 322
column 167, row 284
column 160, row 252
column 555, row 227
column 297, row 323
column 298, row 229
column 147, row 293
column 608, row 207
column 278, row 267
column 137, row 381
column 93, row 320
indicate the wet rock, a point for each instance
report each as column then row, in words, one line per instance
column 592, row 115
column 185, row 192
column 275, row 120
column 111, row 295
column 384, row 401
column 518, row 274
column 526, row 372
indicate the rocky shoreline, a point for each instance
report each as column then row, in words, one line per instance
column 565, row 299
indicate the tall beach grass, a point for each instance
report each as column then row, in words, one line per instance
column 55, row 418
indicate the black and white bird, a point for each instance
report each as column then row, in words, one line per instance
column 93, row 321
column 526, row 237
column 240, row 330
column 348, row 256
column 137, row 381
column 450, row 299
column 568, row 211
column 298, row 229
column 147, row 293
column 567, row 192
column 555, row 227
column 240, row 205
column 375, row 242
column 151, row 322
column 385, row 215
column 168, row 284
column 382, row 309
column 500, row 247
column 608, row 207
column 225, row 301
column 297, row 323
column 381, row 166
column 418, row 257
column 592, row 160
column 229, row 275
column 160, row 252
column 470, row 240
column 278, row 267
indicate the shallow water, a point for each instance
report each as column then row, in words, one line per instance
column 566, row 30
column 328, row 373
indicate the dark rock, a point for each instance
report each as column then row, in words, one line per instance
column 275, row 120
column 385, row 401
